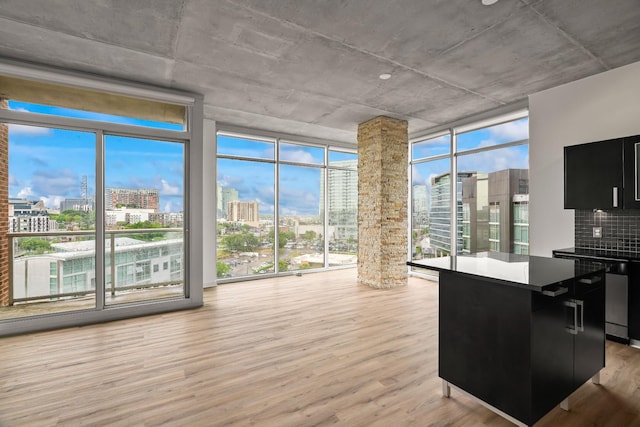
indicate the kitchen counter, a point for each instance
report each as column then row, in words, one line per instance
column 599, row 254
column 526, row 272
column 519, row 333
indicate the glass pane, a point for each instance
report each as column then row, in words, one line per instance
column 301, row 223
column 431, row 210
column 516, row 130
column 301, row 154
column 51, row 198
column 342, row 159
column 245, row 147
column 144, row 207
column 496, row 193
column 431, row 147
column 343, row 216
column 245, row 200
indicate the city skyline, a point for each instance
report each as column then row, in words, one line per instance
column 40, row 166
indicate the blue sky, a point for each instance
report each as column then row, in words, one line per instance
column 48, row 164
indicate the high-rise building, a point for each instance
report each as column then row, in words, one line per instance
column 420, row 206
column 143, row 198
column 224, row 196
column 342, row 199
column 246, row 212
column 440, row 212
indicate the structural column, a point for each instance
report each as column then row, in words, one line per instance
column 382, row 202
column 4, row 209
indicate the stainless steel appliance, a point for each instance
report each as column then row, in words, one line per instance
column 616, row 290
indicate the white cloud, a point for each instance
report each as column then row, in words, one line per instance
column 297, row 156
column 25, row 193
column 512, row 131
column 52, row 201
column 28, row 130
column 167, row 207
column 168, row 189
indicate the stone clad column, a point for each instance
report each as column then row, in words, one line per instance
column 382, row 202
column 4, row 209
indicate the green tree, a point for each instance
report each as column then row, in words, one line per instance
column 149, row 236
column 35, row 244
column 222, row 268
column 245, row 242
column 283, row 237
column 309, row 235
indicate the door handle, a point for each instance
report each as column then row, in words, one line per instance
column 580, row 308
column 615, row 197
column 572, row 329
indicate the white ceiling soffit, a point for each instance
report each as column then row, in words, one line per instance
column 312, row 67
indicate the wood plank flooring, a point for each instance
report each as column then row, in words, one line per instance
column 292, row 351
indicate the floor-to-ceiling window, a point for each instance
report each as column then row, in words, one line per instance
column 485, row 207
column 309, row 189
column 94, row 206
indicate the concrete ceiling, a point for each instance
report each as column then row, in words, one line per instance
column 311, row 67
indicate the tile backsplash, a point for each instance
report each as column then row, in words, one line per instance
column 620, row 230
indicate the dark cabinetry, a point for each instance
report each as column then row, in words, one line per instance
column 522, row 352
column 631, row 195
column 634, row 301
column 603, row 174
column 593, row 175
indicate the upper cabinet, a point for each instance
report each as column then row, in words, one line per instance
column 593, row 175
column 603, row 174
column 631, row 184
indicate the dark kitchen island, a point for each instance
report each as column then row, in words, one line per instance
column 519, row 333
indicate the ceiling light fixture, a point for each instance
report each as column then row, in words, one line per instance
column 489, row 2
column 385, row 76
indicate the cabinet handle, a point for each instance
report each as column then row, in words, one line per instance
column 572, row 329
column 555, row 292
column 615, row 197
column 580, row 308
column 590, row 280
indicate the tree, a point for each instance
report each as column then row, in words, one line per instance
column 309, row 235
column 283, row 237
column 35, row 244
column 246, row 242
column 222, row 268
column 147, row 237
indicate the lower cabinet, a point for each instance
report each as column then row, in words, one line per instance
column 634, row 301
column 520, row 351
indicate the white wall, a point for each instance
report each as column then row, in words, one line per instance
column 599, row 107
column 209, row 204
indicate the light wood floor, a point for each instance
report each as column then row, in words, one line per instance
column 315, row 350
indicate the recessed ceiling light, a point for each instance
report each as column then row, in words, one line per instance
column 489, row 2
column 385, row 76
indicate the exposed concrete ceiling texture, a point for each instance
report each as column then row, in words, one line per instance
column 311, row 67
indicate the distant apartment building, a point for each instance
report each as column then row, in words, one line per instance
column 71, row 269
column 29, row 216
column 126, row 215
column 143, row 198
column 83, row 205
column 244, row 212
column 167, row 219
column 224, row 196
column 342, row 198
column 420, row 207
column 495, row 212
column 440, row 213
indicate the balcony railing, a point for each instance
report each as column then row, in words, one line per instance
column 135, row 259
